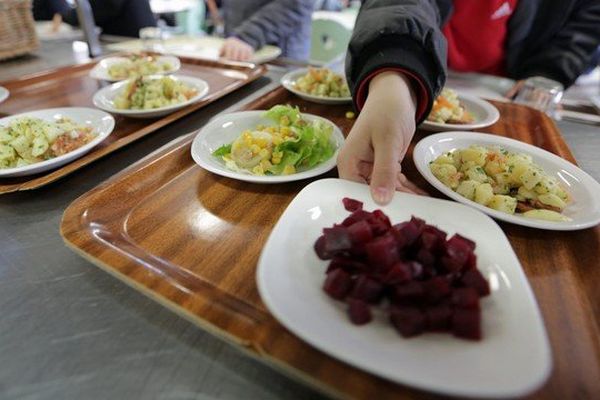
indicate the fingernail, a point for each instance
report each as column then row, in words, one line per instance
column 382, row 195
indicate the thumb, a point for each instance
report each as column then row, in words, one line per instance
column 385, row 170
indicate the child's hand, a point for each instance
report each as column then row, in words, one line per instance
column 236, row 50
column 380, row 138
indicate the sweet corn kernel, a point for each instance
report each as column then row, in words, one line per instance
column 258, row 170
column 255, row 149
column 277, row 140
column 265, row 164
column 289, row 169
column 285, row 121
column 264, row 153
column 350, row 115
column 285, row 131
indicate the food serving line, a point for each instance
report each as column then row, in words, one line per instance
column 93, row 329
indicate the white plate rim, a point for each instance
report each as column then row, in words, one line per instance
column 287, row 81
column 100, row 71
column 419, row 155
column 492, row 116
column 262, row 274
column 101, row 95
column 196, row 151
column 58, row 161
column 4, row 94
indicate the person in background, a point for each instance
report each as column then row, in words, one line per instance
column 251, row 24
column 330, row 5
column 114, row 17
column 397, row 57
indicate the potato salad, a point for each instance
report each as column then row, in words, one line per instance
column 447, row 109
column 138, row 65
column 28, row 140
column 322, row 82
column 146, row 93
column 502, row 180
column 292, row 144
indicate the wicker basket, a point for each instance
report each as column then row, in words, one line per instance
column 17, row 30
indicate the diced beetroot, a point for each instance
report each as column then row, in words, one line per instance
column 380, row 216
column 337, row 284
column 416, row 269
column 466, row 324
column 465, row 298
column 436, row 288
column 438, row 317
column 471, row 262
column 337, row 239
column 474, row 279
column 322, row 253
column 425, row 257
column 406, row 233
column 358, row 215
column 433, row 239
column 367, row 289
column 347, row 264
column 408, row 293
column 351, row 204
column 399, row 273
column 359, row 312
column 458, row 251
column 382, row 251
column 468, row 242
column 360, row 232
column 418, row 222
column 450, row 264
column 408, row 321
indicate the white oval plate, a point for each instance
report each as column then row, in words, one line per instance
column 104, row 97
column 100, row 71
column 226, row 128
column 102, row 123
column 4, row 93
column 288, row 80
column 584, row 210
column 485, row 114
column 512, row 359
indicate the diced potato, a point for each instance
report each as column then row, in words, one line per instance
column 467, row 189
column 553, row 200
column 446, row 173
column 547, row 215
column 531, row 177
column 517, row 170
column 494, row 167
column 484, row 193
column 476, row 173
column 546, row 184
column 562, row 193
column 445, row 158
column 457, row 159
column 503, row 183
column 475, row 154
column 518, row 158
column 503, row 203
column 525, row 194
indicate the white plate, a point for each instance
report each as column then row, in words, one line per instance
column 4, row 93
column 100, row 71
column 102, row 123
column 103, row 98
column 226, row 128
column 512, row 359
column 584, row 210
column 484, row 113
column 290, row 78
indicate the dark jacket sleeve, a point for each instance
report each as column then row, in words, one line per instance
column 274, row 21
column 402, row 34
column 569, row 52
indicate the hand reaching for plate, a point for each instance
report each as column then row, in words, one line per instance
column 236, row 50
column 380, row 137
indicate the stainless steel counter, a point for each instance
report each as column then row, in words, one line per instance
column 70, row 331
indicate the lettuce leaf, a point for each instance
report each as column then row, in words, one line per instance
column 223, row 150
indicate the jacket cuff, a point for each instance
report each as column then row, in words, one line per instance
column 417, row 85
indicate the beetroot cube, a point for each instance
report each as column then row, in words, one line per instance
column 474, row 279
column 471, row 261
column 436, row 288
column 438, row 317
column 347, row 264
column 380, row 216
column 351, row 204
column 425, row 256
column 406, row 233
column 360, row 232
column 458, row 251
column 359, row 312
column 465, row 298
column 399, row 273
column 358, row 215
column 466, row 241
column 418, row 222
column 416, row 269
column 432, row 238
column 337, row 239
column 408, row 321
column 466, row 324
column 337, row 284
column 367, row 289
column 408, row 293
column 382, row 251
column 319, row 247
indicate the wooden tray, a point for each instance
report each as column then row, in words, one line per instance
column 72, row 86
column 191, row 240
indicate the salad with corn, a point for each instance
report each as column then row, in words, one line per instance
column 291, row 145
column 322, row 82
column 150, row 92
column 138, row 65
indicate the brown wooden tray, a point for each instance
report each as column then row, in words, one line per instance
column 191, row 240
column 72, row 86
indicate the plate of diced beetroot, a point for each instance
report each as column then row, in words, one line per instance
column 423, row 292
